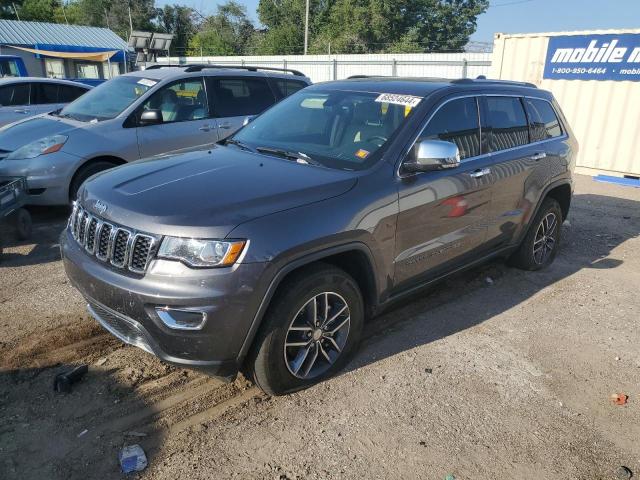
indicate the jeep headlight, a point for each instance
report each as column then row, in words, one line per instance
column 201, row 253
column 43, row 146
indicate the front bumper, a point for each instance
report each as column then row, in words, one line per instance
column 48, row 176
column 125, row 304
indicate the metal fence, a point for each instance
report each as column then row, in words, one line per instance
column 322, row 68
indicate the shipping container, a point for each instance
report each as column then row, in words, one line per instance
column 595, row 76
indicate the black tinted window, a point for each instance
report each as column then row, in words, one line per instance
column 47, row 92
column 457, row 122
column 543, row 121
column 235, row 97
column 14, row 95
column 68, row 94
column 508, row 122
column 288, row 87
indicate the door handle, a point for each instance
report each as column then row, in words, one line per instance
column 21, row 110
column 481, row 172
column 538, row 156
column 205, row 128
column 224, row 126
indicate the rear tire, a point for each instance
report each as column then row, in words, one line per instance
column 540, row 246
column 84, row 173
column 301, row 341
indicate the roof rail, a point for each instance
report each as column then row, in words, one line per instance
column 198, row 67
column 158, row 66
column 486, row 81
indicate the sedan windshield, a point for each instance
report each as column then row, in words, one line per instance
column 338, row 129
column 108, row 100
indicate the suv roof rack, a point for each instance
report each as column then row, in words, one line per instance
column 484, row 80
column 198, row 67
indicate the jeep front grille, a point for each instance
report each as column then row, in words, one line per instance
column 120, row 246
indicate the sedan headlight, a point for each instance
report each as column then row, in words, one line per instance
column 43, row 146
column 201, row 253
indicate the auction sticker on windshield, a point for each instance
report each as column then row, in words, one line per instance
column 406, row 100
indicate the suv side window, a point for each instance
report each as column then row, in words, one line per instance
column 508, row 123
column 43, row 93
column 543, row 121
column 181, row 101
column 68, row 93
column 285, row 87
column 456, row 121
column 14, row 95
column 235, row 97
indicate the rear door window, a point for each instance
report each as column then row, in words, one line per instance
column 543, row 121
column 285, row 87
column 14, row 95
column 235, row 97
column 457, row 121
column 508, row 123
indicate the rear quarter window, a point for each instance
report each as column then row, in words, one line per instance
column 286, row 87
column 543, row 121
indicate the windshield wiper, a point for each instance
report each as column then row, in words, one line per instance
column 297, row 156
column 237, row 143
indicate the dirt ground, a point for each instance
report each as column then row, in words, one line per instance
column 494, row 374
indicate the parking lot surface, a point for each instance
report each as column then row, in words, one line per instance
column 494, row 374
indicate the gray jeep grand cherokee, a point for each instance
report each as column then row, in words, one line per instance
column 271, row 250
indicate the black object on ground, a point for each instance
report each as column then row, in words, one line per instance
column 63, row 381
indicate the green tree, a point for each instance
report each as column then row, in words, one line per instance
column 228, row 32
column 181, row 22
column 369, row 26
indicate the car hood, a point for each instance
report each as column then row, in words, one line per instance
column 207, row 193
column 31, row 129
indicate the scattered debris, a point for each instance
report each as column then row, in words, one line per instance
column 619, row 398
column 428, row 370
column 449, row 477
column 489, row 281
column 63, row 381
column 132, row 459
column 617, row 359
column 83, row 432
column 623, row 473
column 101, row 362
column 136, row 434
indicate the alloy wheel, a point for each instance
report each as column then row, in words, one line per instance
column 545, row 239
column 317, row 335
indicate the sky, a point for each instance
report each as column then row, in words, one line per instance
column 515, row 16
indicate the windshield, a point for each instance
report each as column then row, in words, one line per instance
column 338, row 129
column 108, row 100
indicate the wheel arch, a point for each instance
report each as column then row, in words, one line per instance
column 102, row 158
column 355, row 258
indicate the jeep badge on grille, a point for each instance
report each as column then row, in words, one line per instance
column 100, row 207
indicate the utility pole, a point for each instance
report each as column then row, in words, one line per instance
column 130, row 20
column 16, row 11
column 64, row 12
column 306, row 29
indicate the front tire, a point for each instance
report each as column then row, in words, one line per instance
column 84, row 173
column 311, row 328
column 540, row 246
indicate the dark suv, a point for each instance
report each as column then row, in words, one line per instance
column 271, row 250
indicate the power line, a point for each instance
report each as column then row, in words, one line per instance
column 510, row 3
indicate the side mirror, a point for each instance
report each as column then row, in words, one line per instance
column 429, row 155
column 151, row 117
column 248, row 120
